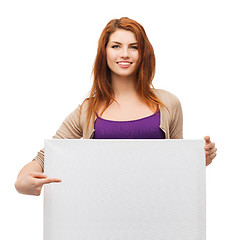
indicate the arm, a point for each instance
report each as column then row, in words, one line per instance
column 31, row 179
column 176, row 129
column 69, row 129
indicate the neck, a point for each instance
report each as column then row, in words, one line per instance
column 123, row 86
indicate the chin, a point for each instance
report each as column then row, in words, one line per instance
column 124, row 74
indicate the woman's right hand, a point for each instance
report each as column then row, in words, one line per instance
column 32, row 183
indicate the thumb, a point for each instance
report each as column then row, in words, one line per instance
column 207, row 139
column 38, row 175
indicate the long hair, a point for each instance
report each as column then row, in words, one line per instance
column 102, row 91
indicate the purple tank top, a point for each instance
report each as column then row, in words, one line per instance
column 144, row 128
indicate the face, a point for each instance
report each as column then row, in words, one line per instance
column 122, row 53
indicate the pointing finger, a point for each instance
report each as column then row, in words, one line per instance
column 49, row 180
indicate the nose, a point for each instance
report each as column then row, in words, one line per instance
column 124, row 53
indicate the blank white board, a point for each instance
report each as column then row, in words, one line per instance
column 125, row 190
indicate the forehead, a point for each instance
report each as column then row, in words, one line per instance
column 122, row 36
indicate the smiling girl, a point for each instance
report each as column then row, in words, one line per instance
column 123, row 104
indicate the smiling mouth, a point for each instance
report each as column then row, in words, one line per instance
column 124, row 63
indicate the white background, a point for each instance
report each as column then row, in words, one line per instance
column 47, row 50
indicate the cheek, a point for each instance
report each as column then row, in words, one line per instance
column 110, row 55
column 136, row 56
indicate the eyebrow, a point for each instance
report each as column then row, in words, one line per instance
column 121, row 43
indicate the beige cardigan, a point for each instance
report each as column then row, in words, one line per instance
column 72, row 128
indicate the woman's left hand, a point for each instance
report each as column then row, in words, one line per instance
column 210, row 150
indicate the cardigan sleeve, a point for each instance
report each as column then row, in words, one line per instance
column 176, row 124
column 69, row 129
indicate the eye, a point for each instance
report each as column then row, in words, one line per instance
column 134, row 47
column 115, row 46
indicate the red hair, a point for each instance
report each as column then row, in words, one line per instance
column 102, row 91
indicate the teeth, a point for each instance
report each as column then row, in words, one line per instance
column 124, row 63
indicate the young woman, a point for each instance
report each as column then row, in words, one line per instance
column 122, row 103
